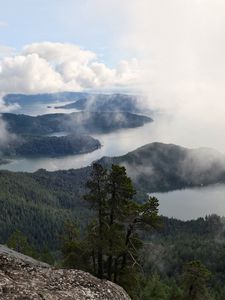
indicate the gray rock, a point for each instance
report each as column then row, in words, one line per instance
column 24, row 278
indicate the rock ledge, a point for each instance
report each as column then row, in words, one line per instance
column 21, row 278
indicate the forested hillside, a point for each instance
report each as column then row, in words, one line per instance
column 24, row 195
column 104, row 102
column 49, row 146
column 164, row 167
column 40, row 204
column 80, row 122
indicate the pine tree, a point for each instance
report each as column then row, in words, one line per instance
column 194, row 281
column 113, row 235
column 121, row 193
column 97, row 198
column 18, row 242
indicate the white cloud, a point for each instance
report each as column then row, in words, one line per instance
column 53, row 67
column 5, row 136
column 180, row 45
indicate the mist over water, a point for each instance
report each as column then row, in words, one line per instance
column 41, row 109
column 193, row 203
column 166, row 128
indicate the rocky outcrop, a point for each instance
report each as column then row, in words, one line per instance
column 24, row 278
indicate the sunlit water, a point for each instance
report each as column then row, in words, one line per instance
column 193, row 203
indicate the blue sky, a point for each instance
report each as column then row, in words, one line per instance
column 80, row 22
column 51, row 40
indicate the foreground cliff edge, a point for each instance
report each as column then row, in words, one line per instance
column 22, row 277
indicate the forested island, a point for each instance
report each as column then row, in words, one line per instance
column 83, row 101
column 107, row 102
column 49, row 146
column 79, row 122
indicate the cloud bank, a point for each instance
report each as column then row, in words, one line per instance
column 54, row 67
column 180, row 46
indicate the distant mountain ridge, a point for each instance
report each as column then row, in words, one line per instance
column 39, row 203
column 158, row 167
column 112, row 102
column 95, row 102
column 79, row 122
column 23, row 99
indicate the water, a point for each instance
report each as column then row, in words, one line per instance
column 184, row 204
column 193, row 203
column 164, row 129
column 113, row 144
column 41, row 109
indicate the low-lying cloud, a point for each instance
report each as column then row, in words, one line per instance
column 180, row 45
column 54, row 67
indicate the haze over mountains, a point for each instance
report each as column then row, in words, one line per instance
column 48, row 198
column 83, row 101
column 80, row 122
column 138, row 88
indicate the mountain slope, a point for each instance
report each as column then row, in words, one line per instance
column 50, row 146
column 39, row 203
column 102, row 103
column 162, row 167
column 80, row 122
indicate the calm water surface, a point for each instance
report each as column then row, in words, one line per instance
column 183, row 204
column 193, row 203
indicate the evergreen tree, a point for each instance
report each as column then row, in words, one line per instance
column 194, row 281
column 18, row 242
column 113, row 235
column 121, row 192
column 97, row 198
column 75, row 253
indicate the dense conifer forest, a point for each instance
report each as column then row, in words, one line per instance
column 47, row 216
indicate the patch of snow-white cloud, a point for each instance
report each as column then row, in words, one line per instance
column 54, row 67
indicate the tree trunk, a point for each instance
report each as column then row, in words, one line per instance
column 115, row 270
column 93, row 261
column 100, row 252
column 129, row 232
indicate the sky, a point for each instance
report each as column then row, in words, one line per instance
column 84, row 34
column 172, row 51
column 87, row 23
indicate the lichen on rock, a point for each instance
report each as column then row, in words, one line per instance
column 22, row 278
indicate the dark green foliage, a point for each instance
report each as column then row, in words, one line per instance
column 75, row 252
column 79, row 122
column 194, row 281
column 38, row 205
column 50, row 146
column 18, row 242
column 113, row 234
column 159, row 167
